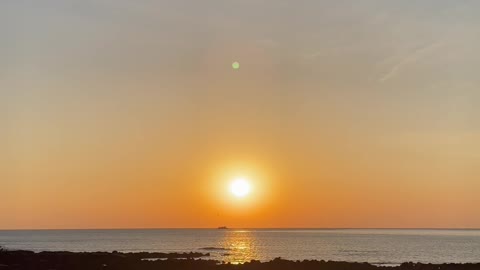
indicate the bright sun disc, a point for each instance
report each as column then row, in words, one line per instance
column 240, row 187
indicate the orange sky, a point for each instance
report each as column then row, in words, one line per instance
column 128, row 115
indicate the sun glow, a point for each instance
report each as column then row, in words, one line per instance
column 240, row 187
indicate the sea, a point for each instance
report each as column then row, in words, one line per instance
column 388, row 247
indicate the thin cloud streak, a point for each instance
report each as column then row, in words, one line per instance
column 411, row 58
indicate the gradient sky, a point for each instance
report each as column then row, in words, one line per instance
column 344, row 113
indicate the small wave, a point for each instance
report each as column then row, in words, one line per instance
column 354, row 251
column 163, row 259
column 154, row 259
column 214, row 248
column 387, row 264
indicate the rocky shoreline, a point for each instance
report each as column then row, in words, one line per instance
column 28, row 260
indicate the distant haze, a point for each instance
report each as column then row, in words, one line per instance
column 344, row 113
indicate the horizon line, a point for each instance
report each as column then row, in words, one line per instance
column 241, row 228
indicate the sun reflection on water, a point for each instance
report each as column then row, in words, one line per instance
column 240, row 247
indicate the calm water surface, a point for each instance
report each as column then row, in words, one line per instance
column 374, row 246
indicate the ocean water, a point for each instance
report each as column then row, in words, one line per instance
column 377, row 246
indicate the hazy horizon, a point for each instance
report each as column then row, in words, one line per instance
column 250, row 228
column 341, row 114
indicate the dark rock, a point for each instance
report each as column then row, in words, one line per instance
column 27, row 260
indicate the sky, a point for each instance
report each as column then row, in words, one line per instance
column 343, row 113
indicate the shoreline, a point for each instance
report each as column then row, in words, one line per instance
column 60, row 260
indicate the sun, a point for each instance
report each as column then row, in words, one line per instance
column 240, row 187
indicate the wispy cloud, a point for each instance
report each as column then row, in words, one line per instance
column 410, row 58
column 314, row 55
